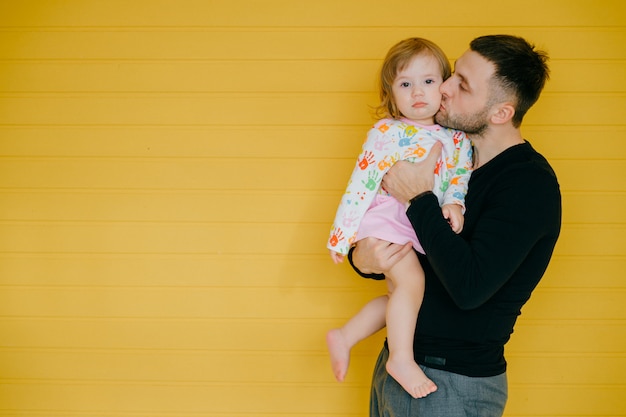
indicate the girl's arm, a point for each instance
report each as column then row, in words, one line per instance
column 459, row 170
column 377, row 156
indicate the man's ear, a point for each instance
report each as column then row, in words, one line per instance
column 503, row 113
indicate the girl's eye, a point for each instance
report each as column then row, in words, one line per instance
column 405, row 84
column 429, row 81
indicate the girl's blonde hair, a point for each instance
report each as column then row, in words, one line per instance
column 396, row 60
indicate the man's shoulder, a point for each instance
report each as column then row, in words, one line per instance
column 533, row 161
column 526, row 173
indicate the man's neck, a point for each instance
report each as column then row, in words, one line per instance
column 492, row 143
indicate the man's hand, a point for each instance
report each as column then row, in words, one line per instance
column 375, row 256
column 405, row 180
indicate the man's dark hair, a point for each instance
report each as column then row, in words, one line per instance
column 520, row 69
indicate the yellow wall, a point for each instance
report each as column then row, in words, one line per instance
column 169, row 170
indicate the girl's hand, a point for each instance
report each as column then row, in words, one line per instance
column 454, row 214
column 336, row 257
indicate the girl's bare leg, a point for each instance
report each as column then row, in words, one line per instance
column 405, row 299
column 369, row 320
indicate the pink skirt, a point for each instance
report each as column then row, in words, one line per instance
column 386, row 219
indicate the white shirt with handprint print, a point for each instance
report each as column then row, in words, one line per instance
column 390, row 141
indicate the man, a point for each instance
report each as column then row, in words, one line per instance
column 477, row 281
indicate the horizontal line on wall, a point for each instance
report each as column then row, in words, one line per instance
column 167, row 256
column 564, row 386
column 585, row 126
column 561, row 355
column 218, row 60
column 141, row 255
column 42, row 412
column 248, row 94
column 151, row 93
column 208, row 255
column 214, row 28
column 247, row 383
column 191, row 287
column 310, row 320
column 239, row 60
column 271, row 94
column 97, row 222
column 273, row 352
column 593, row 192
column 169, row 158
column 51, row 221
column 309, row 289
column 172, row 383
column 193, row 126
column 333, row 192
column 233, row 352
column 113, row 126
column 218, row 191
column 39, row 412
column 155, row 319
column 315, row 287
column 270, row 158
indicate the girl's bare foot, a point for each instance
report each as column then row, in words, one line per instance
column 339, row 353
column 411, row 377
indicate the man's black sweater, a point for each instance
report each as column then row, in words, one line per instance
column 478, row 281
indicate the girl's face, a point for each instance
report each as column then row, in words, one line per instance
column 416, row 89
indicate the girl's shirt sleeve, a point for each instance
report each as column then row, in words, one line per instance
column 379, row 153
column 459, row 169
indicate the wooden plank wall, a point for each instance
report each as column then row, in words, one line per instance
column 169, row 170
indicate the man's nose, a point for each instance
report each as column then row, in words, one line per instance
column 444, row 87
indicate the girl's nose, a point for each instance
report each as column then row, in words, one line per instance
column 417, row 91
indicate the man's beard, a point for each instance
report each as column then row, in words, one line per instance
column 473, row 124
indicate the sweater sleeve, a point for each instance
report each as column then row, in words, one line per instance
column 460, row 169
column 377, row 156
column 519, row 211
